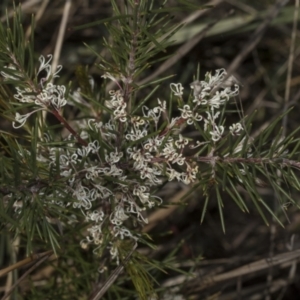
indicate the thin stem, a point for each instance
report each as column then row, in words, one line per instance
column 250, row 160
column 67, row 125
column 40, row 260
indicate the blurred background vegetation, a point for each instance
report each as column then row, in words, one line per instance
column 230, row 265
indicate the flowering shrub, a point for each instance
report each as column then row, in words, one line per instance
column 104, row 174
column 112, row 176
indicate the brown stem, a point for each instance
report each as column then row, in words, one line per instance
column 236, row 160
column 39, row 260
column 67, row 125
column 250, row 160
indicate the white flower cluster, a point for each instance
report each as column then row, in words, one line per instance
column 112, row 178
column 118, row 105
column 146, row 159
column 209, row 96
column 127, row 196
column 43, row 96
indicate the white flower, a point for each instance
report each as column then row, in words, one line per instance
column 26, row 95
column 141, row 159
column 217, row 133
column 82, row 194
column 182, row 142
column 102, row 191
column 236, row 128
column 212, row 81
column 113, row 157
column 211, row 117
column 150, row 173
column 179, row 159
column 137, row 121
column 203, row 89
column 66, row 173
column 152, row 144
column 218, row 99
column 122, row 232
column 173, row 122
column 136, row 134
column 112, row 171
column 118, row 105
column 51, row 94
column 163, row 104
column 140, row 191
column 186, row 112
column 152, row 114
column 96, row 233
column 197, row 87
column 190, row 175
column 21, row 119
column 118, row 216
column 55, row 95
column 173, row 174
column 135, row 209
column 96, row 216
column 46, row 66
column 93, row 147
column 65, row 160
column 169, row 152
column 177, row 89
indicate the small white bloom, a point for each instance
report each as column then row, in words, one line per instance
column 46, row 66
column 66, row 173
column 113, row 157
column 21, row 119
column 152, row 144
column 173, row 174
column 217, row 133
column 118, row 216
column 186, row 112
column 236, row 128
column 137, row 121
column 177, row 89
column 82, row 195
column 93, row 147
column 190, row 175
column 182, row 142
column 122, row 232
column 96, row 216
column 163, row 104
